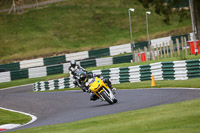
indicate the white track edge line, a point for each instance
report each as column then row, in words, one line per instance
column 34, row 118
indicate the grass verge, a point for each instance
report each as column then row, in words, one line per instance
column 179, row 117
column 76, row 25
column 190, row 83
column 7, row 117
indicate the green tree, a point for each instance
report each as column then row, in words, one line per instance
column 168, row 7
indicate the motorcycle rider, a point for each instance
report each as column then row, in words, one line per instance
column 85, row 77
column 73, row 67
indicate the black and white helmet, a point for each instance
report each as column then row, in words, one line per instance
column 73, row 63
column 83, row 77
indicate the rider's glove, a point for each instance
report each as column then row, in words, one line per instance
column 84, row 89
column 88, row 91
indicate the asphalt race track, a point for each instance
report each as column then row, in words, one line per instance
column 66, row 106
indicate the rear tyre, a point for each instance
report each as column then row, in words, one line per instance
column 105, row 96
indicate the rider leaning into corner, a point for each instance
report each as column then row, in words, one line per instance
column 85, row 77
column 73, row 67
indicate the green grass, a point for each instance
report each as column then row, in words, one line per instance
column 173, row 118
column 190, row 83
column 7, row 117
column 76, row 25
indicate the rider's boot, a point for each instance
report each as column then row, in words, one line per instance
column 75, row 83
column 112, row 89
column 93, row 97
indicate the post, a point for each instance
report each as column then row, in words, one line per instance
column 167, row 49
column 171, row 53
column 164, row 50
column 145, row 50
column 37, row 3
column 140, row 55
column 172, row 46
column 185, row 46
column 153, row 53
column 157, row 51
column 13, row 7
column 193, row 28
column 149, row 43
column 182, row 42
column 150, row 52
column 178, row 48
column 160, row 51
column 135, row 55
column 129, row 12
column 147, row 25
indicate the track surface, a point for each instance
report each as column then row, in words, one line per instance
column 66, row 106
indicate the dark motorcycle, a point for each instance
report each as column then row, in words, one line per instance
column 77, row 81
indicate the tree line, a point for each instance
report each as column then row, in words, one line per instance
column 169, row 7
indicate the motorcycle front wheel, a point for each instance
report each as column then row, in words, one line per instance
column 115, row 100
column 105, row 96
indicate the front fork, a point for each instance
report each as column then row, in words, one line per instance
column 108, row 92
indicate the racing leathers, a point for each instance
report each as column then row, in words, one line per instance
column 73, row 69
column 72, row 73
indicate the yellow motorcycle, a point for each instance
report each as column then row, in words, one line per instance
column 99, row 88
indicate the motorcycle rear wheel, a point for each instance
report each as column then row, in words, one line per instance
column 105, row 96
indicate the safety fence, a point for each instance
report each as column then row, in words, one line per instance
column 168, row 49
column 176, row 70
column 111, row 51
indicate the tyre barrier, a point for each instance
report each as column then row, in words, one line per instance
column 175, row 70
